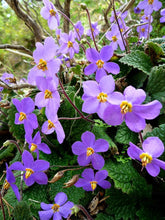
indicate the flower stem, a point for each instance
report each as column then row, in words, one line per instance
column 85, row 212
column 3, row 211
column 141, row 138
column 80, row 113
column 89, row 18
column 16, row 144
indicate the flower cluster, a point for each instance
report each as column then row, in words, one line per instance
column 100, row 96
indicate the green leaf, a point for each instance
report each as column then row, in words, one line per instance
column 22, row 211
column 136, row 78
column 138, row 59
column 154, row 49
column 156, row 85
column 127, row 179
column 124, row 135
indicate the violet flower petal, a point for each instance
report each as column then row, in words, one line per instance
column 112, row 67
column 135, row 96
column 152, row 169
column 60, row 198
column 16, row 191
column 90, row 69
column 88, row 174
column 134, row 122
column 134, row 152
column 45, row 206
column 40, row 178
column 106, row 53
column 88, row 138
column 46, row 215
column 97, row 161
column 65, row 210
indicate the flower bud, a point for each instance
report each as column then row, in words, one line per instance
column 57, row 176
column 83, row 6
column 72, row 181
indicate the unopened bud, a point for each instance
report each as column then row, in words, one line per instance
column 75, row 209
column 83, row 6
column 57, row 176
column 6, row 143
column 72, row 181
column 83, row 41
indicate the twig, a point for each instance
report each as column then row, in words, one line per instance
column 134, row 26
column 16, row 47
column 22, row 86
column 85, row 212
column 3, row 211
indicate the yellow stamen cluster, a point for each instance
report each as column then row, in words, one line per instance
column 93, row 29
column 6, row 185
column 102, row 97
column 55, row 208
column 93, row 184
column 145, row 159
column 58, row 36
column 143, row 30
column 125, row 107
column 70, row 44
column 121, row 29
column 90, row 151
column 77, row 29
column 150, row 2
column 114, row 38
column 48, row 94
column 28, row 173
column 33, row 147
column 50, row 124
column 22, row 116
column 42, row 65
column 100, row 63
column 52, row 12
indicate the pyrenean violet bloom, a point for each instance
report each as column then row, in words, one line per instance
column 53, row 124
column 97, row 95
column 33, row 169
column 143, row 30
column 9, row 181
column 46, row 64
column 8, row 78
column 99, row 62
column 149, row 6
column 90, row 181
column 69, row 44
column 35, row 144
column 49, row 12
column 137, row 10
column 49, row 96
column 162, row 19
column 80, row 30
column 94, row 30
column 115, row 37
column 88, row 149
column 61, row 208
column 152, row 148
column 25, row 115
column 129, row 107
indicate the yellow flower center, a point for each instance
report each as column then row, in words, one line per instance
column 50, row 124
column 93, row 184
column 48, row 94
column 77, row 29
column 121, row 29
column 55, row 208
column 143, row 30
column 28, row 173
column 11, row 80
column 52, row 12
column 90, row 151
column 100, row 63
column 42, row 65
column 6, row 185
column 33, row 147
column 125, row 107
column 93, row 29
column 58, row 36
column 145, row 159
column 70, row 44
column 150, row 2
column 102, row 97
column 114, row 38
column 22, row 116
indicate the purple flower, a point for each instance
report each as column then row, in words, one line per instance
column 53, row 124
column 99, row 62
column 115, row 37
column 152, row 148
column 80, row 30
column 162, row 19
column 149, row 6
column 50, row 13
column 58, row 34
column 35, row 144
column 25, row 115
column 129, row 107
column 146, row 18
column 137, row 10
column 97, row 95
column 9, row 181
column 69, row 44
column 49, row 96
column 61, row 208
column 120, row 19
column 143, row 30
column 90, row 181
column 44, row 58
column 8, row 78
column 94, row 30
column 87, row 150
column 33, row 169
